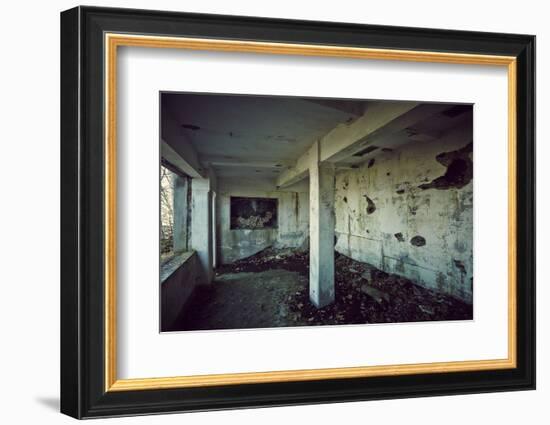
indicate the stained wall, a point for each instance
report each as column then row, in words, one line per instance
column 409, row 211
column 292, row 229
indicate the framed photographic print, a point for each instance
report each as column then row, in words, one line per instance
column 261, row 212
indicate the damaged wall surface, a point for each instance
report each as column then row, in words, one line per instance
column 253, row 213
column 292, row 229
column 409, row 211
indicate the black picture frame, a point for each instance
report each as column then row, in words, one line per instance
column 83, row 392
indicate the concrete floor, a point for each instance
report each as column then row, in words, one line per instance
column 271, row 289
column 245, row 300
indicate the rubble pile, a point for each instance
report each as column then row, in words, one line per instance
column 363, row 293
column 270, row 259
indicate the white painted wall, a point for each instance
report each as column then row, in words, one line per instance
column 442, row 217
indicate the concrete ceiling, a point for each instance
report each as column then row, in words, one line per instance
column 258, row 137
column 255, row 135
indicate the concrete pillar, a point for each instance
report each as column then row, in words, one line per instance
column 214, row 228
column 180, row 213
column 201, row 225
column 321, row 230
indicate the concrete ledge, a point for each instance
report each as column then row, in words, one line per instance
column 174, row 263
column 178, row 279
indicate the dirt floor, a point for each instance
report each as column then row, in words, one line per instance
column 270, row 289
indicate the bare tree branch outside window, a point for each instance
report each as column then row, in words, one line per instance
column 166, row 212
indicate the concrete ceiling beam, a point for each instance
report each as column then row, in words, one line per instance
column 299, row 171
column 177, row 149
column 405, row 121
column 222, row 161
column 348, row 138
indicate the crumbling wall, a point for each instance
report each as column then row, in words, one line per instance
column 410, row 212
column 292, row 229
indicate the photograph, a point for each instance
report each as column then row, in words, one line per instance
column 282, row 211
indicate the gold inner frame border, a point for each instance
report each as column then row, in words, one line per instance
column 112, row 41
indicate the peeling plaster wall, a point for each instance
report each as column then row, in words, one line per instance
column 293, row 220
column 408, row 212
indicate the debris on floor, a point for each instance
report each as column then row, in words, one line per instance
column 270, row 289
column 270, row 258
column 365, row 294
column 244, row 300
